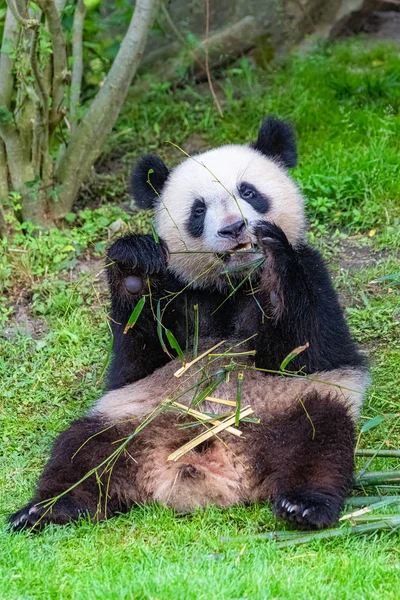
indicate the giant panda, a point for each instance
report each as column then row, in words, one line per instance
column 228, row 262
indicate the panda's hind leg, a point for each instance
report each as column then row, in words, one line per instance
column 310, row 460
column 84, row 477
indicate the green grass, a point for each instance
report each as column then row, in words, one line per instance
column 345, row 103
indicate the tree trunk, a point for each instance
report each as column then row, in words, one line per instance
column 87, row 140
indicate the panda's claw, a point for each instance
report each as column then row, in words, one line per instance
column 308, row 509
column 34, row 516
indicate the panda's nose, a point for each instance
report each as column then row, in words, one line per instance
column 233, row 230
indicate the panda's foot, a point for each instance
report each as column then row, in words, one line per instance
column 311, row 510
column 34, row 517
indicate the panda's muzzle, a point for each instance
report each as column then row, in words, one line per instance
column 234, row 230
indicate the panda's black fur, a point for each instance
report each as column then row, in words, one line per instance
column 300, row 455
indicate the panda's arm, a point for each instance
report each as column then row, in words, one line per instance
column 132, row 262
column 302, row 307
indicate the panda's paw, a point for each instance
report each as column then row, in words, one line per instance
column 310, row 510
column 271, row 238
column 137, row 255
column 33, row 517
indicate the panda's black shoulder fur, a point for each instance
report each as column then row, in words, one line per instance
column 150, row 168
column 277, row 141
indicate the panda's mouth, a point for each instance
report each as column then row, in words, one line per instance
column 245, row 250
column 242, row 247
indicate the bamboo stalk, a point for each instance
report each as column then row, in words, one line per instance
column 220, row 401
column 290, row 538
column 203, row 417
column 366, row 500
column 372, row 452
column 377, row 478
column 208, row 434
column 370, row 509
column 184, row 368
column 386, row 523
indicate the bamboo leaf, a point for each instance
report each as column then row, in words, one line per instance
column 173, row 342
column 154, row 232
column 160, row 328
column 293, row 355
column 135, row 314
column 372, row 423
column 196, row 330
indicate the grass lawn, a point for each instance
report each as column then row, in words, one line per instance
column 54, row 341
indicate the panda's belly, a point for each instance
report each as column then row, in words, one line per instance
column 220, row 471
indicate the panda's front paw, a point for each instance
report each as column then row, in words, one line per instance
column 309, row 509
column 271, row 238
column 132, row 258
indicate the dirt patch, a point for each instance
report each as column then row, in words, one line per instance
column 354, row 257
column 23, row 323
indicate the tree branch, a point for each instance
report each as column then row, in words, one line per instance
column 87, row 140
column 10, row 35
column 77, row 69
column 60, row 71
column 26, row 23
column 3, row 188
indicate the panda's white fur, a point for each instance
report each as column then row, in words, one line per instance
column 214, row 176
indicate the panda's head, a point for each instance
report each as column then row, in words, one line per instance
column 207, row 206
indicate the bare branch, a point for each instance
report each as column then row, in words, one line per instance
column 210, row 84
column 26, row 23
column 87, row 140
column 77, row 69
column 60, row 71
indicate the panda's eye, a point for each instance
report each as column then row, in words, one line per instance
column 199, row 210
column 247, row 193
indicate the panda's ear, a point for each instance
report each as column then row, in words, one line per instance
column 277, row 141
column 149, row 168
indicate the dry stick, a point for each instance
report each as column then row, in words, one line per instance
column 192, row 54
column 202, row 417
column 207, row 65
column 183, row 369
column 208, row 434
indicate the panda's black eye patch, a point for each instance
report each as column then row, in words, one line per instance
column 251, row 194
column 195, row 223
